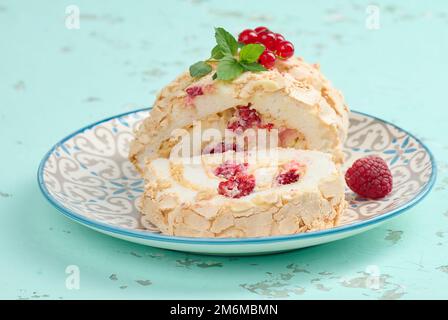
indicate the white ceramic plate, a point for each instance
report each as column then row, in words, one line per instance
column 88, row 177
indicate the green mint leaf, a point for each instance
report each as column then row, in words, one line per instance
column 226, row 42
column 200, row 69
column 217, row 53
column 251, row 52
column 215, row 75
column 228, row 69
column 254, row 66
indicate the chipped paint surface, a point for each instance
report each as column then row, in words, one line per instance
column 443, row 268
column 5, row 195
column 187, row 263
column 393, row 236
column 144, row 282
column 113, row 64
column 380, row 286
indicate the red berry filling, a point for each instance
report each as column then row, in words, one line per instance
column 245, row 118
column 238, row 186
column 220, row 148
column 238, row 183
column 230, row 169
column 194, row 91
column 369, row 177
column 267, row 126
column 288, row 177
column 290, row 174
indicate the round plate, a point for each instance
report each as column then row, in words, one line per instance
column 88, row 178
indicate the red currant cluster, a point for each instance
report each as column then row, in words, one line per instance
column 275, row 44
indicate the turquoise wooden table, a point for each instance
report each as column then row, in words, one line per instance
column 390, row 60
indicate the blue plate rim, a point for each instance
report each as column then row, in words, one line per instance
column 225, row 241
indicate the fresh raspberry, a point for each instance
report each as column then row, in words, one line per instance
column 290, row 174
column 245, row 118
column 369, row 177
column 220, row 148
column 194, row 91
column 230, row 169
column 236, row 187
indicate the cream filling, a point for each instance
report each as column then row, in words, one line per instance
column 297, row 110
column 217, row 124
column 319, row 167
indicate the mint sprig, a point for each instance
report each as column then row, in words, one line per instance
column 253, row 66
column 200, row 69
column 217, row 53
column 229, row 68
column 230, row 64
column 251, row 52
column 226, row 42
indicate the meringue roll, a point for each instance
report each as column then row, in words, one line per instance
column 294, row 100
column 263, row 154
column 243, row 194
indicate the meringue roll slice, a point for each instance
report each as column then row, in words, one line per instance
column 257, row 193
column 293, row 100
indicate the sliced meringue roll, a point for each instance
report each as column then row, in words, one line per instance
column 294, row 98
column 243, row 194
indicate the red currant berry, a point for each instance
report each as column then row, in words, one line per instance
column 267, row 59
column 268, row 39
column 284, row 49
column 260, row 29
column 279, row 37
column 248, row 36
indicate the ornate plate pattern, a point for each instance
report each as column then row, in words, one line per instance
column 87, row 176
